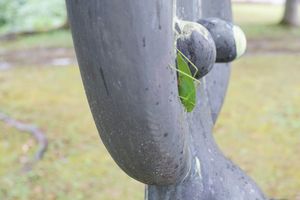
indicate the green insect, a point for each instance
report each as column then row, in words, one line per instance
column 186, row 82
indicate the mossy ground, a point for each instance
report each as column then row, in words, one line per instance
column 259, row 127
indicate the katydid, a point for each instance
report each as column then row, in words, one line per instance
column 187, row 83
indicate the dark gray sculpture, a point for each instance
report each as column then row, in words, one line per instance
column 124, row 49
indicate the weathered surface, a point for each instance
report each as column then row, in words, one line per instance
column 211, row 176
column 124, row 49
column 224, row 38
column 196, row 43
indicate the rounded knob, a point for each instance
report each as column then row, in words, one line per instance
column 196, row 43
column 229, row 39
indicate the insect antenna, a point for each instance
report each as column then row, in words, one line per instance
column 189, row 61
column 185, row 74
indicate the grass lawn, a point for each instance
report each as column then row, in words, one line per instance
column 76, row 165
column 260, row 21
column 61, row 38
column 259, row 127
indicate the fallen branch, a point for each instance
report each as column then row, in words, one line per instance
column 38, row 135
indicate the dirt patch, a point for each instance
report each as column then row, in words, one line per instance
column 47, row 57
column 273, row 46
column 37, row 57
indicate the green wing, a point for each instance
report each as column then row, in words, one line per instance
column 186, row 85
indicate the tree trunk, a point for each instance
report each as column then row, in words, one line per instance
column 291, row 14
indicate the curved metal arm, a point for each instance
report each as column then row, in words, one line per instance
column 124, row 55
column 124, row 49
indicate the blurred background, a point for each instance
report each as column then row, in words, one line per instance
column 42, row 104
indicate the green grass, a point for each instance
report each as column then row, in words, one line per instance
column 259, row 127
column 257, row 14
column 61, row 38
column 261, row 21
column 258, row 21
column 76, row 165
